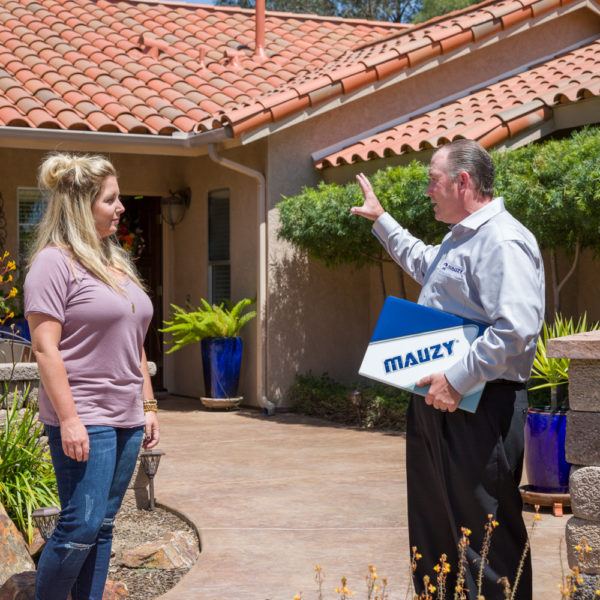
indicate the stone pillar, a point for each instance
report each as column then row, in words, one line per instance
column 583, row 452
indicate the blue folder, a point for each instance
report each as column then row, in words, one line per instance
column 411, row 341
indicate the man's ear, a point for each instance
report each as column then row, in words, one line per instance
column 463, row 180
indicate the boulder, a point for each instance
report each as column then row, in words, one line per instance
column 14, row 555
column 174, row 550
column 21, row 586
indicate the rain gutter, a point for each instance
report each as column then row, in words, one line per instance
column 176, row 144
column 261, row 295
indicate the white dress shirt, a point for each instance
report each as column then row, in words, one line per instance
column 488, row 268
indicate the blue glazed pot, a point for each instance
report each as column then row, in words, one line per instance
column 221, row 362
column 545, row 463
column 18, row 326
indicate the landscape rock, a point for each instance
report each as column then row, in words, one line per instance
column 174, row 550
column 584, row 385
column 113, row 590
column 581, row 533
column 583, row 442
column 584, row 487
column 14, row 555
column 21, row 586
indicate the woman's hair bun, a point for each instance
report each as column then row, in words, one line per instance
column 61, row 170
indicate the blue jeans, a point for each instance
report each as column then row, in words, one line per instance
column 76, row 557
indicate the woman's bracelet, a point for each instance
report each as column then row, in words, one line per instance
column 150, row 405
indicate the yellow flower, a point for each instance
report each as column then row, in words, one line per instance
column 495, row 523
column 431, row 588
column 446, row 567
column 578, row 548
column 418, row 556
column 13, row 292
column 437, row 568
column 11, row 265
column 298, row 596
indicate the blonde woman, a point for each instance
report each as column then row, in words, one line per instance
column 88, row 314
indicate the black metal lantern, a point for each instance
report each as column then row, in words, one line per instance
column 45, row 520
column 150, row 460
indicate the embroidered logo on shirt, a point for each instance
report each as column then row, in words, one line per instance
column 446, row 266
column 417, row 357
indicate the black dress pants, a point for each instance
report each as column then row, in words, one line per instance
column 460, row 468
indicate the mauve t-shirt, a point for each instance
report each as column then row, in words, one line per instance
column 102, row 338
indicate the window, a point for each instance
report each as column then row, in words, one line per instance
column 32, row 205
column 219, row 266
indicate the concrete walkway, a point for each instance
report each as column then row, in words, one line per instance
column 274, row 496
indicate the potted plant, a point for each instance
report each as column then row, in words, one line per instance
column 217, row 329
column 545, row 429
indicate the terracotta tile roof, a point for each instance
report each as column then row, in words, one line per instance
column 125, row 66
column 490, row 115
column 376, row 60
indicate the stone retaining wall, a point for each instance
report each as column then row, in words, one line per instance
column 583, row 451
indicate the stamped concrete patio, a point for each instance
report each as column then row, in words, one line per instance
column 273, row 496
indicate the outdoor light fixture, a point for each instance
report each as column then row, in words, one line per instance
column 150, row 460
column 174, row 206
column 45, row 520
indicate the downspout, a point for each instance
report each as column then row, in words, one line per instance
column 261, row 294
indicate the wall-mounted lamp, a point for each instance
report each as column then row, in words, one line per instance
column 174, row 206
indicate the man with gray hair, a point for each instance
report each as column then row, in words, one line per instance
column 464, row 469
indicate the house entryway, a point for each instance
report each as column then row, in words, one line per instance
column 140, row 231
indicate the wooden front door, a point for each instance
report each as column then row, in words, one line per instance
column 141, row 233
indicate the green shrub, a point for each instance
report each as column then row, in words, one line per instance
column 27, row 479
column 368, row 405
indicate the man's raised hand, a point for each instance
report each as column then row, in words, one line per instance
column 371, row 208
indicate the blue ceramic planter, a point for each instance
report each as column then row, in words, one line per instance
column 221, row 362
column 545, row 463
column 19, row 327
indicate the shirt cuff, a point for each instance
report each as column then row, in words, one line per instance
column 460, row 379
column 384, row 225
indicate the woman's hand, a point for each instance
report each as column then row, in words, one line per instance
column 151, row 431
column 75, row 439
column 371, row 208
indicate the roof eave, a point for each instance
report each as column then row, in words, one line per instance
column 177, row 144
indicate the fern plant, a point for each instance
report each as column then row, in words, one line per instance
column 189, row 326
column 554, row 372
column 27, row 479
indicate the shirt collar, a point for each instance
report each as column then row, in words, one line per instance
column 479, row 217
